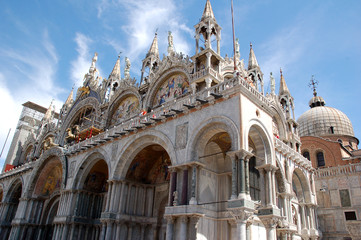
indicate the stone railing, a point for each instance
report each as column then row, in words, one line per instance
column 204, row 72
column 168, row 109
column 338, row 170
column 295, row 156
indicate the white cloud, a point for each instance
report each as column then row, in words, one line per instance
column 81, row 65
column 27, row 75
column 143, row 18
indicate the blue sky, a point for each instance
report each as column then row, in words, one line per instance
column 47, row 46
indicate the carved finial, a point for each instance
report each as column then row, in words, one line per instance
column 273, row 84
column 250, row 44
column 120, row 53
column 281, row 71
column 313, row 83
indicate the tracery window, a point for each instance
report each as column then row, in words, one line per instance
column 254, row 180
column 320, row 159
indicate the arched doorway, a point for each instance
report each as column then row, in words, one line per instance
column 10, row 206
column 45, row 192
column 144, row 195
column 214, row 177
column 90, row 202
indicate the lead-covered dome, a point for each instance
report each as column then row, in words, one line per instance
column 321, row 120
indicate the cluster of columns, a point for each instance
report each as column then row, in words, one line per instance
column 125, row 230
column 7, row 213
column 267, row 172
column 129, row 212
column 181, row 173
column 27, row 219
column 240, row 174
column 84, row 208
column 187, row 226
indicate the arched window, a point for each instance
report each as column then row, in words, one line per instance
column 254, row 181
column 306, row 154
column 320, row 159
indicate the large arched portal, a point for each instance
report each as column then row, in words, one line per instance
column 144, row 195
column 214, row 189
column 90, row 202
column 10, row 205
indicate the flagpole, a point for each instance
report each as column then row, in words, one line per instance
column 234, row 41
column 5, row 143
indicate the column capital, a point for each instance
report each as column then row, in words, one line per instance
column 193, row 219
column 183, row 219
column 241, row 214
column 244, row 154
column 267, row 167
column 270, row 221
column 170, row 219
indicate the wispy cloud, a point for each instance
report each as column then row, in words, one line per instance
column 81, row 64
column 142, row 19
column 28, row 75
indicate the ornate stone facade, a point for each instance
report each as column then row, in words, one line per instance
column 196, row 151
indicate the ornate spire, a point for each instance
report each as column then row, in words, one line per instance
column 92, row 68
column 116, row 70
column 283, row 86
column 273, row 84
column 170, row 43
column 153, row 50
column 252, row 61
column 208, row 12
column 127, row 68
column 70, row 100
column 48, row 114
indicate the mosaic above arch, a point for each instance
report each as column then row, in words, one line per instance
column 126, row 108
column 175, row 86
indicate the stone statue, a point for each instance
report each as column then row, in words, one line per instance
column 49, row 143
column 170, row 43
column 273, row 84
column 127, row 68
column 175, row 201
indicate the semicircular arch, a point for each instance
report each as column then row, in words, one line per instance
column 45, row 158
column 207, row 130
column 74, row 112
column 135, row 145
column 154, row 88
column 117, row 100
column 86, row 165
column 261, row 139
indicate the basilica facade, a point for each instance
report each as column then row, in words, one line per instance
column 195, row 149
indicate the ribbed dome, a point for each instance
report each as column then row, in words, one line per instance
column 322, row 120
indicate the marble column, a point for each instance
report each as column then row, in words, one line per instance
column 193, row 221
column 246, row 175
column 170, row 227
column 185, row 187
column 241, row 216
column 130, row 231
column 193, row 200
column 269, row 187
column 270, row 222
column 173, row 187
column 241, row 177
column 110, row 187
column 182, row 235
column 234, row 178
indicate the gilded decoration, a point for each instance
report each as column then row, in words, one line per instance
column 126, row 108
column 50, row 180
column 173, row 87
